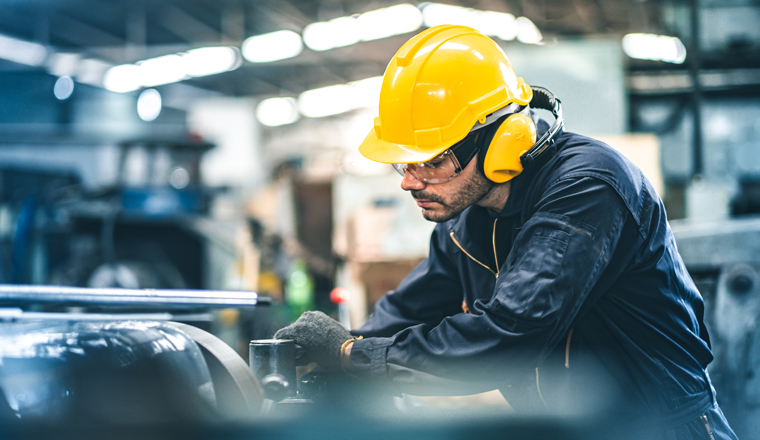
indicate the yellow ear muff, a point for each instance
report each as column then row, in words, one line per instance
column 514, row 137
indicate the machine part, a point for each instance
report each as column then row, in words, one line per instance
column 722, row 257
column 156, row 298
column 737, row 347
column 126, row 274
column 275, row 387
column 86, row 373
column 14, row 314
column 273, row 362
column 238, row 392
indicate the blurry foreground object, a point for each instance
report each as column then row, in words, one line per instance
column 90, row 369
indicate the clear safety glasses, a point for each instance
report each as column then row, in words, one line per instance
column 446, row 165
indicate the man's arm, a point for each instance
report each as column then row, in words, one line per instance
column 556, row 260
column 427, row 295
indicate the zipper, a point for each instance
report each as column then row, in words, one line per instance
column 703, row 417
column 567, row 348
column 538, row 388
column 493, row 241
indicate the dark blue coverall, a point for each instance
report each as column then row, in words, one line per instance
column 572, row 300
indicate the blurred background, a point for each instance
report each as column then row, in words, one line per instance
column 199, row 144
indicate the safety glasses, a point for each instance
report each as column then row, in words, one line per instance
column 446, row 165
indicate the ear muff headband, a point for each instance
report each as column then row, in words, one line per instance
column 545, row 100
column 511, row 143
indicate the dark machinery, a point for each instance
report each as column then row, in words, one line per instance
column 723, row 257
column 137, row 369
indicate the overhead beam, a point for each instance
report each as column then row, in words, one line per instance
column 186, row 26
column 82, row 34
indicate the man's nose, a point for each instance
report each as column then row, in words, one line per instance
column 409, row 182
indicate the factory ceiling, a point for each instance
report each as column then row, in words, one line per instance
column 125, row 31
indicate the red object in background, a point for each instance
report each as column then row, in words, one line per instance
column 339, row 295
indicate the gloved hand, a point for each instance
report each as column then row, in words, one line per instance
column 320, row 336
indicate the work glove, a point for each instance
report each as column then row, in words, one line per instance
column 320, row 336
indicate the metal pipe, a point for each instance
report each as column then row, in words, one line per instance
column 696, row 95
column 16, row 315
column 154, row 298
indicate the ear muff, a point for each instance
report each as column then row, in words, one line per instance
column 515, row 136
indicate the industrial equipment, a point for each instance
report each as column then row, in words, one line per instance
column 113, row 366
column 723, row 257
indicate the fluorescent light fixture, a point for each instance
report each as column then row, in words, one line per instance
column 367, row 92
column 326, row 101
column 91, row 71
column 273, row 46
column 171, row 68
column 495, row 24
column 387, row 22
column 149, row 105
column 162, row 70
column 122, row 79
column 64, row 87
column 22, row 52
column 372, row 25
column 274, row 112
column 333, row 100
column 63, row 64
column 654, row 47
column 338, row 32
column 527, row 32
column 210, row 60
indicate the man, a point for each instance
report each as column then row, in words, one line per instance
column 553, row 275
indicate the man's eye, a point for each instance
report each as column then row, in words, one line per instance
column 434, row 162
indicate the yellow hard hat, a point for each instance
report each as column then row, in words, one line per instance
column 437, row 86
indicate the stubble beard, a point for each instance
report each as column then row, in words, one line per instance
column 471, row 192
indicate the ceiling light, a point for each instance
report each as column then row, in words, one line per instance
column 527, row 32
column 274, row 112
column 122, row 79
column 491, row 23
column 332, row 100
column 63, row 88
column 372, row 25
column 326, row 101
column 654, row 47
column 171, row 68
column 162, row 70
column 387, row 22
column 91, row 71
column 210, row 60
column 149, row 105
column 273, row 46
column 366, row 92
column 22, row 52
column 63, row 64
column 500, row 25
column 338, row 32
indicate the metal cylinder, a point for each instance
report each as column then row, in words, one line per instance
column 274, row 356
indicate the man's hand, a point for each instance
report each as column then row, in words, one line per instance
column 320, row 336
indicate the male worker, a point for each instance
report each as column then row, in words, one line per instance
column 553, row 275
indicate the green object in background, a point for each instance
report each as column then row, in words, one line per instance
column 299, row 289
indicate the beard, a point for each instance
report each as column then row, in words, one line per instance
column 471, row 192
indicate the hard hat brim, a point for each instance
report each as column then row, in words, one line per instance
column 382, row 151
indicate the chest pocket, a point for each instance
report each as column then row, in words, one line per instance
column 533, row 265
column 546, row 251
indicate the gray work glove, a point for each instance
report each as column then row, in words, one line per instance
column 320, row 336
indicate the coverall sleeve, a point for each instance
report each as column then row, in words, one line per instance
column 428, row 294
column 557, row 257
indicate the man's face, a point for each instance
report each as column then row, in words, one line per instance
column 443, row 201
